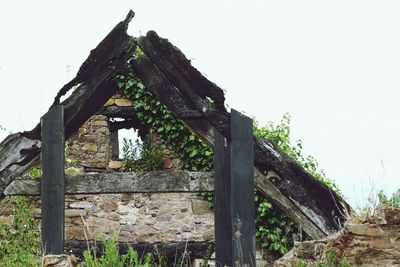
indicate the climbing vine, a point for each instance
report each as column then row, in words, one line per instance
column 194, row 153
column 274, row 231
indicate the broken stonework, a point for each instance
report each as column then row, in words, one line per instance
column 59, row 261
column 376, row 243
column 90, row 145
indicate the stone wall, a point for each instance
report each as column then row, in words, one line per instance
column 90, row 146
column 373, row 242
column 171, row 217
column 139, row 218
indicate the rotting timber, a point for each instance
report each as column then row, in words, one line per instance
column 198, row 102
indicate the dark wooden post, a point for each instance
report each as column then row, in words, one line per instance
column 222, row 189
column 234, row 194
column 242, row 192
column 52, row 182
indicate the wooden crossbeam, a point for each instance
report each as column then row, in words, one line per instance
column 127, row 182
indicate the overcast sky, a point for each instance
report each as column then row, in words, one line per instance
column 333, row 65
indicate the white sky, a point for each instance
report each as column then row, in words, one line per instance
column 333, row 65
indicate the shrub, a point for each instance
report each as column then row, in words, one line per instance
column 111, row 257
column 141, row 156
column 393, row 201
column 19, row 242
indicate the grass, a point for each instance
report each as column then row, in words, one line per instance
column 111, row 257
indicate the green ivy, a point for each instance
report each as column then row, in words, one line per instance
column 194, row 153
column 274, row 231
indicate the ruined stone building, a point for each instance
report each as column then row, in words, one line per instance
column 150, row 218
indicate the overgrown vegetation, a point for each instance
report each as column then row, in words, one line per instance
column 393, row 200
column 141, row 156
column 111, row 257
column 193, row 152
column 35, row 172
column 274, row 231
column 331, row 260
column 280, row 134
column 19, row 242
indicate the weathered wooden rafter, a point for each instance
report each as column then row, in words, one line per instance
column 94, row 85
column 195, row 100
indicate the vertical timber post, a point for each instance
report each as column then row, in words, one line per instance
column 222, row 187
column 242, row 192
column 234, row 194
column 52, row 183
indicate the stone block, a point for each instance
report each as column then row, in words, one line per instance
column 75, row 232
column 81, row 205
column 100, row 123
column 389, row 215
column 109, row 102
column 115, row 165
column 208, row 235
column 98, row 117
column 90, row 147
column 371, row 230
column 109, row 206
column 123, row 102
column 200, row 206
column 102, row 130
column 102, row 227
column 59, row 261
column 74, row 213
column 72, row 171
column 147, row 235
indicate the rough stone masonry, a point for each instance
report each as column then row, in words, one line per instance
column 150, row 218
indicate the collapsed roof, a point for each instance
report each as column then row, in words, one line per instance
column 166, row 72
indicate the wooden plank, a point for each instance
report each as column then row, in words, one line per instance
column 127, row 182
column 52, row 183
column 242, row 191
column 94, row 84
column 266, row 187
column 15, row 158
column 170, row 96
column 222, row 207
column 116, row 112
